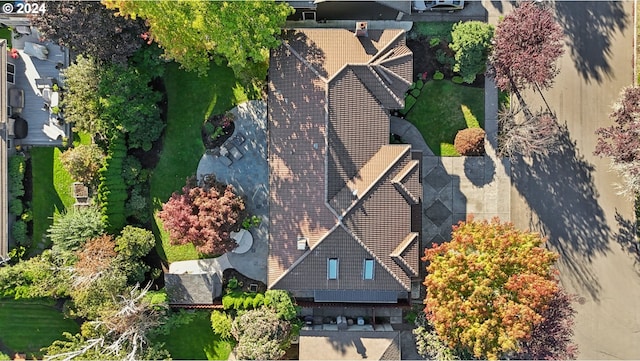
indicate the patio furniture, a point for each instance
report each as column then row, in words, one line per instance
column 36, row 50
column 244, row 239
column 238, row 139
column 235, row 152
column 16, row 98
column 50, row 97
column 225, row 160
column 42, row 83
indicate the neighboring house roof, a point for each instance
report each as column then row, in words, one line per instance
column 349, row 345
column 334, row 178
column 187, row 288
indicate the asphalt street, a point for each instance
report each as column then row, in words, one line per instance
column 571, row 196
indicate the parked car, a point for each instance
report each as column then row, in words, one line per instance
column 438, row 5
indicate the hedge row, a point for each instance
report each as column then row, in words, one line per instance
column 112, row 190
column 242, row 300
column 17, row 167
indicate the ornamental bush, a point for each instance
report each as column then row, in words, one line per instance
column 470, row 141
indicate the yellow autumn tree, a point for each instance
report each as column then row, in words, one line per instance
column 194, row 32
column 488, row 287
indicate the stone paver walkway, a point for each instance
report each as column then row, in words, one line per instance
column 455, row 187
column 249, row 176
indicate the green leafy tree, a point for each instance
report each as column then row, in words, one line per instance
column 471, row 43
column 193, row 32
column 83, row 162
column 488, row 287
column 72, row 229
column 128, row 105
column 80, row 101
column 261, row 335
column 45, row 275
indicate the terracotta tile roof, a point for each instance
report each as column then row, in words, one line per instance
column 331, row 167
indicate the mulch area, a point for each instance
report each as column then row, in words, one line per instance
column 424, row 60
column 230, row 273
column 216, row 121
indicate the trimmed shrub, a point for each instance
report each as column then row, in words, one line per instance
column 19, row 232
column 438, row 75
column 248, row 302
column 409, row 102
column 457, row 79
column 17, row 166
column 221, row 324
column 419, row 84
column 470, row 141
column 258, row 300
column 433, row 42
column 15, row 206
column 415, row 92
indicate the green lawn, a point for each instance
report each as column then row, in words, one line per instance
column 191, row 99
column 5, row 33
column 442, row 109
column 196, row 341
column 28, row 325
column 51, row 190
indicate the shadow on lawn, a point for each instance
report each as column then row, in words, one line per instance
column 561, row 191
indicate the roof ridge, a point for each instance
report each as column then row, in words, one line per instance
column 304, row 61
column 386, row 48
column 396, row 255
column 375, row 181
column 380, row 80
column 390, row 56
column 375, row 256
column 374, row 69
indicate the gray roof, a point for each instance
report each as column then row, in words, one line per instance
column 192, row 288
column 357, row 296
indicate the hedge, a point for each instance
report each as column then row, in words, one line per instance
column 242, row 300
column 112, row 190
column 438, row 75
column 409, row 102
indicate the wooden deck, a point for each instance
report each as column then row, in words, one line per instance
column 42, row 131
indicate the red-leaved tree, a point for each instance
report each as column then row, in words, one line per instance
column 526, row 45
column 621, row 142
column 204, row 216
column 552, row 338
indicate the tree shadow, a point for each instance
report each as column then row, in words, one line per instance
column 590, row 28
column 560, row 190
column 626, row 238
column 479, row 170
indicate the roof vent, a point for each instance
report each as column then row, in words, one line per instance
column 361, row 29
column 302, row 243
column 354, row 192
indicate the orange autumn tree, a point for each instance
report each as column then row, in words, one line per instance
column 488, row 286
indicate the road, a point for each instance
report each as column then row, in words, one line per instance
column 571, row 196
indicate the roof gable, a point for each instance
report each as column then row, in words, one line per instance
column 331, row 167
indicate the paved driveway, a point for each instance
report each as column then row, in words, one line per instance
column 571, row 196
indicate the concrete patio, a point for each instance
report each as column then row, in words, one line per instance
column 249, row 175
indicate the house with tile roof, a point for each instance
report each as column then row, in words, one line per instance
column 344, row 203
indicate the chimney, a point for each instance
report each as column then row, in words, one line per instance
column 361, row 29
